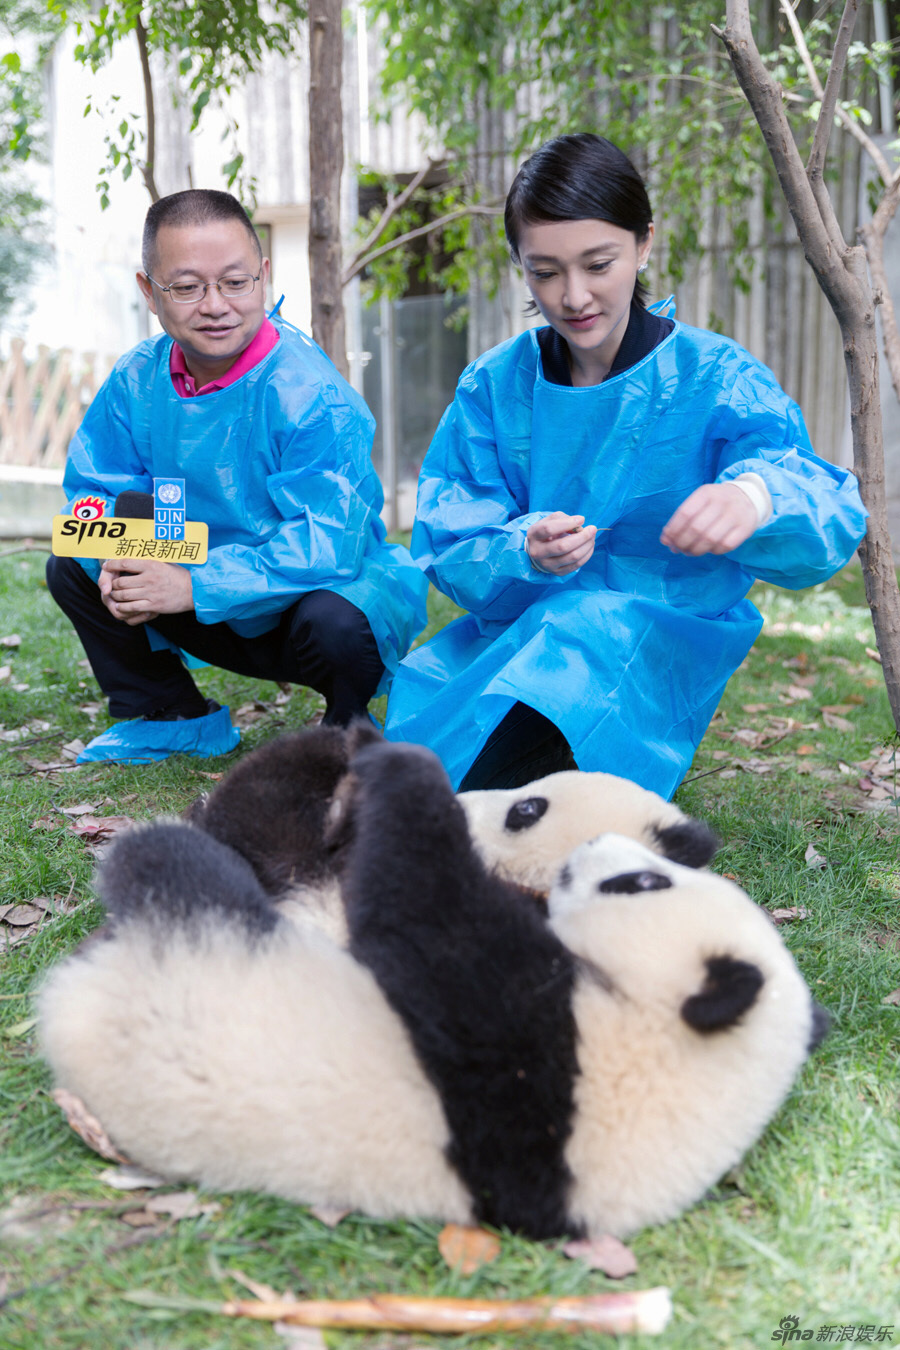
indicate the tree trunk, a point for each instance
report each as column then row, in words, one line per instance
column 148, row 168
column 326, row 159
column 841, row 272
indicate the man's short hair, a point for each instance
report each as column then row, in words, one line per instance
column 196, row 206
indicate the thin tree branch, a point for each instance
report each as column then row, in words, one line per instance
column 147, row 168
column 394, row 205
column 825, row 253
column 26, row 548
column 848, row 123
column 359, row 263
column 815, row 166
column 872, row 234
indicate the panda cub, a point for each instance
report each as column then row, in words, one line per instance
column 467, row 1059
column 279, row 806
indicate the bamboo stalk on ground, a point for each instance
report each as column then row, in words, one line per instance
column 646, row 1310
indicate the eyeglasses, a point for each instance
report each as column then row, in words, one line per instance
column 189, row 292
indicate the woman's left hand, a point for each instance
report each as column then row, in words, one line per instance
column 715, row 519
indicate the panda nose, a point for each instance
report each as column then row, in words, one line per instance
column 630, row 883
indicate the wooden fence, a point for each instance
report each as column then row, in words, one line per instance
column 42, row 402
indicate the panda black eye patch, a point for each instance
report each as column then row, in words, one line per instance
column 630, row 883
column 522, row 815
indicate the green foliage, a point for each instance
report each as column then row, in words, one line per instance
column 653, row 79
column 460, row 244
column 21, row 136
column 212, row 44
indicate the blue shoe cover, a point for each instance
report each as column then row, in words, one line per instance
column 141, row 742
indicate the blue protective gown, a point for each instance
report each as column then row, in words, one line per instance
column 629, row 655
column 278, row 466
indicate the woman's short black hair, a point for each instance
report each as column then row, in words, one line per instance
column 578, row 177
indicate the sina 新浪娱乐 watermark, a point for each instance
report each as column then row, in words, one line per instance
column 789, row 1329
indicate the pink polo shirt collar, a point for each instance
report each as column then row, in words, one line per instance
column 183, row 380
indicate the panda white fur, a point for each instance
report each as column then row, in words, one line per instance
column 466, row 1060
column 527, row 833
column 277, row 808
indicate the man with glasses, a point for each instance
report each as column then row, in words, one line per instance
column 274, row 447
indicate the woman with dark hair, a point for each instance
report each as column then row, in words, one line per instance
column 600, row 496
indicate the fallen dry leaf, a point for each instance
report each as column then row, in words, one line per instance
column 20, row 1028
column 756, row 707
column 805, row 750
column 180, row 1205
column 72, row 749
column 330, row 1217
column 893, row 998
column 97, row 828
column 301, row 1338
column 139, row 1218
column 604, row 1253
column 12, row 641
column 28, row 1221
column 467, row 1249
column 21, row 916
column 797, row 691
column 86, row 1126
column 129, row 1178
column 813, row 858
column 780, row 916
column 5, row 672
column 82, row 809
column 836, row 723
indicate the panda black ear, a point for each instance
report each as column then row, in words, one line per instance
column 360, row 733
column 730, row 989
column 689, row 842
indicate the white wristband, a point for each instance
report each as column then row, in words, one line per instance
column 754, row 487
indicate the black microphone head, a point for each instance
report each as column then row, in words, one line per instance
column 135, row 505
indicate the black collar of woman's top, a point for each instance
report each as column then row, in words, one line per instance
column 644, row 332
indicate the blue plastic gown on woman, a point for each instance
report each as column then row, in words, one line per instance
column 629, row 655
column 278, row 466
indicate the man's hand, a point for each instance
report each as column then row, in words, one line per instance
column 136, row 590
column 559, row 543
column 715, row 519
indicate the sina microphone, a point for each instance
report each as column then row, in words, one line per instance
column 134, row 505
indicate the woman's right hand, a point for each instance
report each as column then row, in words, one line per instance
column 560, row 544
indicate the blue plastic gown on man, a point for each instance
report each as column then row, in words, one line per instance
column 629, row 655
column 278, row 466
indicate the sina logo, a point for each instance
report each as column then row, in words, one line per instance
column 89, row 508
column 169, row 494
column 789, row 1330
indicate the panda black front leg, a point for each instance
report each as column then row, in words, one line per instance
column 480, row 981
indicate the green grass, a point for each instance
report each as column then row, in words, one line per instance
column 808, row 1225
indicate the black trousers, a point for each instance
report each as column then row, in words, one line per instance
column 525, row 746
column 322, row 641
